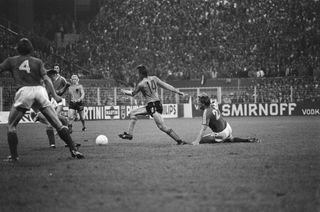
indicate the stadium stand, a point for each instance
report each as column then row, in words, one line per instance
column 257, row 51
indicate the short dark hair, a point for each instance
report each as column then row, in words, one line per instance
column 204, row 99
column 24, row 46
column 142, row 70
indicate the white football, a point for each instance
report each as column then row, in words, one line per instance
column 102, row 140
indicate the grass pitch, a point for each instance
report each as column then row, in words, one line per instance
column 151, row 173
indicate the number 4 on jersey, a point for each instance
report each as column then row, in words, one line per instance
column 25, row 66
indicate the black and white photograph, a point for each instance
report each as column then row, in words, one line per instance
column 160, row 105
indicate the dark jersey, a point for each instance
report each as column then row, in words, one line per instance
column 26, row 70
column 59, row 83
column 212, row 118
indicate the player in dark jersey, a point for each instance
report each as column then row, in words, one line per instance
column 29, row 73
column 60, row 85
column 148, row 86
column 212, row 118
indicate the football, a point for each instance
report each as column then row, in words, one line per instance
column 101, row 140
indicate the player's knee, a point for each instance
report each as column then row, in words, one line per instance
column 133, row 117
column 164, row 129
column 49, row 127
column 11, row 129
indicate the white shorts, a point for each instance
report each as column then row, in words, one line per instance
column 139, row 111
column 223, row 135
column 35, row 97
column 55, row 104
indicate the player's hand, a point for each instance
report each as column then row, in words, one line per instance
column 183, row 94
column 126, row 92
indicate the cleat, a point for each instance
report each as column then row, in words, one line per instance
column 254, row 140
column 181, row 142
column 76, row 154
column 11, row 159
column 53, row 146
column 125, row 135
column 84, row 129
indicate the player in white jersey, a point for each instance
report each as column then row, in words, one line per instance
column 76, row 92
column 148, row 86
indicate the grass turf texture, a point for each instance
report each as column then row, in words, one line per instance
column 151, row 173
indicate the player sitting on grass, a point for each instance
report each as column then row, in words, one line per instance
column 221, row 130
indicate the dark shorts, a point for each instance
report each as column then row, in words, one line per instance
column 78, row 106
column 153, row 107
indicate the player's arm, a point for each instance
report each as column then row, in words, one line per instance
column 200, row 134
column 49, row 87
column 4, row 66
column 65, row 87
column 168, row 86
column 131, row 93
column 48, row 83
column 82, row 93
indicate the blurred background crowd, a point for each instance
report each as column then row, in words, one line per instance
column 184, row 40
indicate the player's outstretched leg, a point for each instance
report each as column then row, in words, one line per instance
column 243, row 140
column 63, row 131
column 160, row 124
column 65, row 136
column 128, row 135
column 207, row 139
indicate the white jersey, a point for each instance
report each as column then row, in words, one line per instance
column 149, row 88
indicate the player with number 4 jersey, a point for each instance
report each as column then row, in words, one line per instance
column 29, row 74
column 148, row 86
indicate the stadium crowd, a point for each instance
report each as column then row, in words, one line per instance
column 185, row 40
column 189, row 39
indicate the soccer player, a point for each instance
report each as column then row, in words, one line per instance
column 148, row 86
column 212, row 118
column 76, row 102
column 29, row 73
column 60, row 85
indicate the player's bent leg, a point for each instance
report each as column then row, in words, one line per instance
column 207, row 139
column 161, row 125
column 133, row 120
column 14, row 117
column 63, row 131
